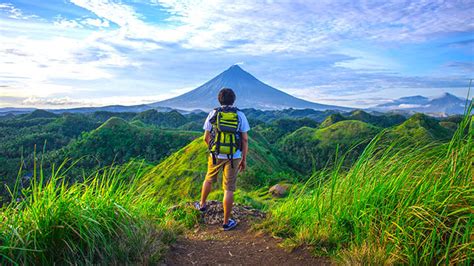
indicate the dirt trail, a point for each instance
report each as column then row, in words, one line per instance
column 208, row 244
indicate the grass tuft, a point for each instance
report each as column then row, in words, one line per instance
column 108, row 218
column 397, row 204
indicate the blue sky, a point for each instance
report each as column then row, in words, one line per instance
column 68, row 53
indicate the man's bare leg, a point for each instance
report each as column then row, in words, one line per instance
column 206, row 189
column 228, row 203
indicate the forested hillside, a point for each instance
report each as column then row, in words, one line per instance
column 158, row 159
column 306, row 140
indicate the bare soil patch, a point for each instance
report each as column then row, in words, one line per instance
column 208, row 244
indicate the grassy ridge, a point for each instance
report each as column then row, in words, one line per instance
column 396, row 205
column 108, row 218
column 180, row 175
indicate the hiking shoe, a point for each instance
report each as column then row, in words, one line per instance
column 230, row 225
column 198, row 207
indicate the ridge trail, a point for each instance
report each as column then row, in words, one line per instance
column 208, row 244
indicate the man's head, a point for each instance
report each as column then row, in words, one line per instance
column 226, row 96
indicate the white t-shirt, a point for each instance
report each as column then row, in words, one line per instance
column 242, row 127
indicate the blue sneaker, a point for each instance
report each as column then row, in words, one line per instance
column 230, row 225
column 198, row 207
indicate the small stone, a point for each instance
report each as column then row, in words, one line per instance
column 279, row 190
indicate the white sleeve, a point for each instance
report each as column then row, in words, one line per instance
column 244, row 123
column 207, row 124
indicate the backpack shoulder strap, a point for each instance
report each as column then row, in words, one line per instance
column 213, row 119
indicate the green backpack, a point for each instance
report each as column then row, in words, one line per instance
column 225, row 137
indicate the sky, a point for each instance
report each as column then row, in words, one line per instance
column 70, row 53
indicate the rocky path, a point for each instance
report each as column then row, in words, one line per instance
column 209, row 245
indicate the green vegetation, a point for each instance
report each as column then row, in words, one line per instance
column 365, row 189
column 387, row 120
column 310, row 149
column 276, row 129
column 171, row 119
column 46, row 131
column 109, row 218
column 421, row 129
column 117, row 141
column 181, row 174
column 394, row 206
column 332, row 119
column 55, row 137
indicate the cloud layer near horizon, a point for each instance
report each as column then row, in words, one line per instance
column 96, row 52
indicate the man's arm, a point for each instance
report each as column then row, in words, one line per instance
column 207, row 137
column 245, row 148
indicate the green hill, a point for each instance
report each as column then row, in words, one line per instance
column 171, row 119
column 40, row 114
column 449, row 125
column 181, row 174
column 276, row 129
column 386, row 120
column 309, row 149
column 420, row 128
column 118, row 141
column 102, row 116
column 332, row 119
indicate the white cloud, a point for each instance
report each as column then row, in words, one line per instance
column 66, row 23
column 130, row 23
column 37, row 101
column 33, row 89
column 407, row 106
column 13, row 12
column 80, row 23
column 68, row 102
column 75, row 54
column 306, row 25
column 96, row 22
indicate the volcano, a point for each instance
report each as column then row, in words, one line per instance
column 250, row 92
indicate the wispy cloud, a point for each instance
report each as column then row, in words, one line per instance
column 13, row 12
column 305, row 25
column 332, row 48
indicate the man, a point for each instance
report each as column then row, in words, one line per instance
column 231, row 164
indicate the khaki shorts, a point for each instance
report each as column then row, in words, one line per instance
column 229, row 177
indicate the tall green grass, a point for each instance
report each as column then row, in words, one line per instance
column 108, row 218
column 397, row 204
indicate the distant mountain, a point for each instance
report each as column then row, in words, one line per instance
column 40, row 114
column 251, row 93
column 111, row 108
column 15, row 111
column 85, row 110
column 447, row 104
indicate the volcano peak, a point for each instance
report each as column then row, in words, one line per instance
column 250, row 92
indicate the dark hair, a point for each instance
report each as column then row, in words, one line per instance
column 226, row 96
